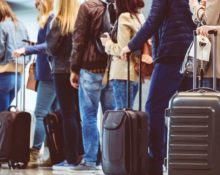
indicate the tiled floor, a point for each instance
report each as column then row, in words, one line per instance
column 44, row 171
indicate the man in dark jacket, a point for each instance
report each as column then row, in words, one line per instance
column 88, row 64
column 171, row 26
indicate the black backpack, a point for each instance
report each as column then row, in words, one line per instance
column 108, row 21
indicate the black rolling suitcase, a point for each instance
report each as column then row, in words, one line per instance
column 15, row 133
column 125, row 139
column 194, row 127
column 53, row 128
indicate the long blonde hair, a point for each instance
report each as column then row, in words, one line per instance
column 6, row 12
column 66, row 15
column 45, row 8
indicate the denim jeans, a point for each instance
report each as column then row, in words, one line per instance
column 46, row 101
column 67, row 98
column 7, row 89
column 165, row 81
column 91, row 92
column 208, row 82
column 120, row 93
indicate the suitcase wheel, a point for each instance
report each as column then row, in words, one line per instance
column 17, row 165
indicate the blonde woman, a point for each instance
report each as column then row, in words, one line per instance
column 59, row 43
column 46, row 92
column 10, row 30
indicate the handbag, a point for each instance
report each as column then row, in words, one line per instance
column 146, row 59
column 203, row 56
column 146, row 62
column 32, row 83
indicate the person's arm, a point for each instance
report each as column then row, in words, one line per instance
column 123, row 36
column 151, row 25
column 80, row 38
column 2, row 43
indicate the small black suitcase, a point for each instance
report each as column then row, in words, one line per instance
column 15, row 133
column 53, row 128
column 125, row 139
column 193, row 129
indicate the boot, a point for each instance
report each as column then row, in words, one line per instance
column 33, row 161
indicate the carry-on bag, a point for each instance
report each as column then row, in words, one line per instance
column 194, row 126
column 53, row 128
column 125, row 139
column 15, row 131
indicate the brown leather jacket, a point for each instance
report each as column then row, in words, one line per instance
column 88, row 24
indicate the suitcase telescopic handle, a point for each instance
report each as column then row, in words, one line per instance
column 129, row 84
column 214, row 52
column 23, row 83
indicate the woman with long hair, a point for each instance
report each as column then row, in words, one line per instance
column 11, row 30
column 129, row 22
column 59, row 45
column 46, row 97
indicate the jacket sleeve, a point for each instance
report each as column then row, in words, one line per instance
column 53, row 39
column 79, row 38
column 2, row 43
column 123, row 36
column 39, row 48
column 212, row 12
column 151, row 25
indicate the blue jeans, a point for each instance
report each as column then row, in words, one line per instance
column 120, row 93
column 7, row 89
column 67, row 98
column 165, row 81
column 91, row 92
column 46, row 100
column 208, row 82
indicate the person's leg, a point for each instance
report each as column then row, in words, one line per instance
column 165, row 81
column 7, row 89
column 89, row 96
column 120, row 93
column 65, row 97
column 45, row 99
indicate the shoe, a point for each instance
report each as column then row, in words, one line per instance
column 46, row 163
column 33, row 159
column 63, row 166
column 84, row 168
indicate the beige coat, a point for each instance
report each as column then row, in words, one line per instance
column 128, row 25
column 211, row 17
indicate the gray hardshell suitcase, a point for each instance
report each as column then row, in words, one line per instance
column 194, row 129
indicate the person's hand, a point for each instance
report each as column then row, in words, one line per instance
column 203, row 3
column 17, row 53
column 147, row 59
column 104, row 38
column 124, row 53
column 204, row 30
column 74, row 80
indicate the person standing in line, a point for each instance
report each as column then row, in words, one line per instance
column 12, row 32
column 209, row 14
column 59, row 45
column 171, row 26
column 46, row 97
column 87, row 70
column 129, row 22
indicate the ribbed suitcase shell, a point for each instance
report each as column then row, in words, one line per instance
column 193, row 133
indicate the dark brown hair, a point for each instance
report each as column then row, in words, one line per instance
column 6, row 12
column 131, row 6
